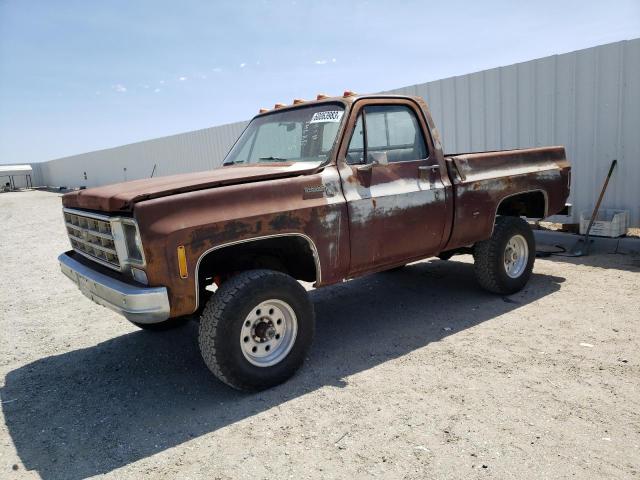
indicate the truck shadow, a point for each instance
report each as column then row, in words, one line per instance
column 90, row 411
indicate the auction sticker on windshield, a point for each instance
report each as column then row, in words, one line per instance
column 327, row 116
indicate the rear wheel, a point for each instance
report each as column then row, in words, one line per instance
column 256, row 330
column 503, row 263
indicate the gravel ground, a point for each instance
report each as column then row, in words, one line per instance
column 415, row 374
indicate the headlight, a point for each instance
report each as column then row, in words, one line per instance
column 132, row 242
column 129, row 247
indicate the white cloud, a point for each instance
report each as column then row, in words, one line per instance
column 242, row 65
column 156, row 90
column 162, row 82
column 203, row 77
column 98, row 92
column 145, row 86
column 182, row 79
column 320, row 62
column 120, row 88
column 333, row 60
column 216, row 69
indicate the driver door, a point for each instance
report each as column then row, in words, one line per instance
column 392, row 184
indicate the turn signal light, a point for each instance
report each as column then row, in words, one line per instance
column 348, row 93
column 298, row 101
column 321, row 96
column 280, row 105
column 182, row 262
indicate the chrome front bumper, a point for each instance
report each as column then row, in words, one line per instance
column 138, row 304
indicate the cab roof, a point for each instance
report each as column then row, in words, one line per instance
column 347, row 99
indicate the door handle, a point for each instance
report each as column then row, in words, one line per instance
column 365, row 168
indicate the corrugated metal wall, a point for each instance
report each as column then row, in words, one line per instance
column 185, row 152
column 588, row 101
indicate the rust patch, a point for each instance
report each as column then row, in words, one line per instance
column 285, row 222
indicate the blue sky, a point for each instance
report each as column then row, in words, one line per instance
column 77, row 76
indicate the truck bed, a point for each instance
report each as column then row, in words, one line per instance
column 482, row 183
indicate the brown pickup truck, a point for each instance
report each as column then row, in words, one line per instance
column 318, row 191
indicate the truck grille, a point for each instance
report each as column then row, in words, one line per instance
column 92, row 237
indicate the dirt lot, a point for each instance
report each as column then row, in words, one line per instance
column 415, row 374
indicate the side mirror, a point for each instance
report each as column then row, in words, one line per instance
column 378, row 158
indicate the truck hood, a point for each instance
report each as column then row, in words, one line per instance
column 121, row 197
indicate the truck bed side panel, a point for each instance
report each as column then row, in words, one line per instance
column 484, row 180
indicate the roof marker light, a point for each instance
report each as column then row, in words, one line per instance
column 263, row 110
column 322, row 96
column 279, row 105
column 298, row 101
column 348, row 93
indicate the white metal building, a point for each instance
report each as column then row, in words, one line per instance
column 588, row 101
column 16, row 176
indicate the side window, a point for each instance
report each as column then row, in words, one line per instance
column 394, row 129
column 377, row 137
column 355, row 153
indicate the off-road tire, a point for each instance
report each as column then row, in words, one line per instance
column 224, row 315
column 163, row 326
column 488, row 256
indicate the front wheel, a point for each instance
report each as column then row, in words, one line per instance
column 503, row 263
column 256, row 330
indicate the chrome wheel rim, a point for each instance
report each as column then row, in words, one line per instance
column 516, row 256
column 268, row 333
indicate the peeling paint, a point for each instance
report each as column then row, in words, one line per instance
column 362, row 211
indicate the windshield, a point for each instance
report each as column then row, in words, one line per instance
column 305, row 134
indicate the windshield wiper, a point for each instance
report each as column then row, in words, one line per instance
column 275, row 159
column 235, row 162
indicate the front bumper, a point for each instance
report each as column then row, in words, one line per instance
column 138, row 304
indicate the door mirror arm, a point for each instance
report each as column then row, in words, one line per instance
column 378, row 158
column 375, row 159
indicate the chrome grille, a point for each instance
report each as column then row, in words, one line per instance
column 92, row 237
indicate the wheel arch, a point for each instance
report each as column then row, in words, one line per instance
column 301, row 261
column 531, row 203
column 529, row 197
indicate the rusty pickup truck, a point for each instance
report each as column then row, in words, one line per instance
column 318, row 191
